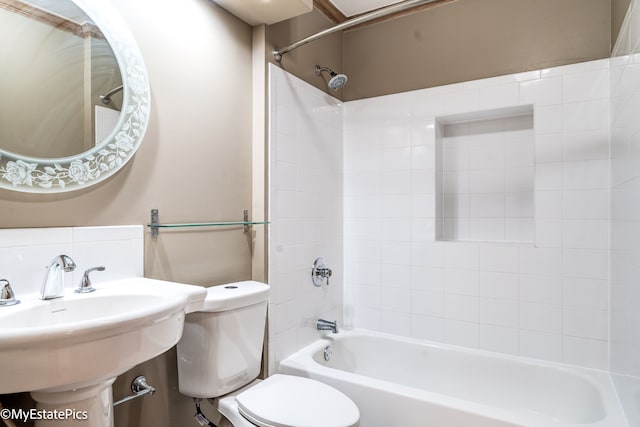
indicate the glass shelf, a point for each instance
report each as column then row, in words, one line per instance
column 155, row 225
column 208, row 224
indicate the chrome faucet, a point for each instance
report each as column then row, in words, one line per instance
column 53, row 285
column 7, row 297
column 325, row 325
column 85, row 283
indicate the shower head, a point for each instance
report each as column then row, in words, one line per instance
column 337, row 81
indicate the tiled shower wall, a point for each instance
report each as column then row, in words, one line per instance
column 625, row 214
column 547, row 299
column 305, row 207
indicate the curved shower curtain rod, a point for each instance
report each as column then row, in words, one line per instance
column 106, row 98
column 379, row 13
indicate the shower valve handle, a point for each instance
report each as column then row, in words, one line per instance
column 320, row 272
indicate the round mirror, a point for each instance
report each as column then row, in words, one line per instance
column 75, row 94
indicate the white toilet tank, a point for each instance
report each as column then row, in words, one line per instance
column 221, row 346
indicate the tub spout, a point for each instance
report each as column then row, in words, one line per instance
column 325, row 325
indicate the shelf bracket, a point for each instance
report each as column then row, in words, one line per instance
column 154, row 223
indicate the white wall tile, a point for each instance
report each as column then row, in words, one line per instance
column 464, row 282
column 548, row 119
column 585, row 323
column 519, row 179
column 541, row 91
column 520, row 153
column 585, row 204
column 585, row 86
column 548, row 204
column 462, row 333
column 540, row 289
column 498, row 338
column 462, row 101
column 24, row 237
column 590, row 145
column 588, row 115
column 586, row 293
column 519, row 230
column 541, row 345
column 427, row 303
column 461, row 307
column 427, row 327
column 427, row 254
column 395, row 276
column 548, row 147
column 396, row 323
column 486, row 181
column 585, row 263
column 464, row 256
column 585, row 352
column 585, row 175
column 499, row 285
column 499, row 312
column 548, row 233
column 490, row 205
column 540, row 261
column 427, row 278
column 395, row 299
column 574, row 235
column 499, row 258
column 398, row 159
column 487, row 229
column 501, row 96
column 540, row 317
column 548, row 176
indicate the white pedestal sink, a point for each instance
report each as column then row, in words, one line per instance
column 67, row 352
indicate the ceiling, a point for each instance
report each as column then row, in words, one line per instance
column 268, row 12
column 355, row 7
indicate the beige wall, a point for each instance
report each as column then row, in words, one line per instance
column 194, row 165
column 454, row 42
column 618, row 12
column 473, row 39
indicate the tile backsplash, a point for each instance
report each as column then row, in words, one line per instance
column 25, row 254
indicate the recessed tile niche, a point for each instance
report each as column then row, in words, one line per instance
column 485, row 176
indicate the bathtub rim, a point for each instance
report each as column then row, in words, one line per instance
column 302, row 360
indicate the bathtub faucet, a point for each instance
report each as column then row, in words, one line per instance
column 325, row 325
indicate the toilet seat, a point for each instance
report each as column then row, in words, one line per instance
column 290, row 401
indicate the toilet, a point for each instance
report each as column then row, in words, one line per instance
column 219, row 356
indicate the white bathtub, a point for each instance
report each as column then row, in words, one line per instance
column 411, row 383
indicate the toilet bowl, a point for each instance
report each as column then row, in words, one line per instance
column 219, row 356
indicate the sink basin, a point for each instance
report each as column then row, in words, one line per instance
column 83, row 339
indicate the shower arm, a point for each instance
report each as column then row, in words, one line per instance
column 379, row 13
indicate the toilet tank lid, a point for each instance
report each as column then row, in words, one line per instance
column 234, row 295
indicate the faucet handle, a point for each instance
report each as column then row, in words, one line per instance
column 7, row 297
column 320, row 272
column 85, row 283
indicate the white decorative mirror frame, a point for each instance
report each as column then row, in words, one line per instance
column 40, row 175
